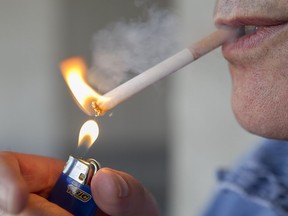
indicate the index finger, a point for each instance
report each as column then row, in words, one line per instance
column 39, row 172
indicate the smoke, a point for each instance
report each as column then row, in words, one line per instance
column 140, row 3
column 127, row 48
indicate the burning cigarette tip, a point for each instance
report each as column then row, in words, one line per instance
column 74, row 72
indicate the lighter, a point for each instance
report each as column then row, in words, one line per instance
column 72, row 190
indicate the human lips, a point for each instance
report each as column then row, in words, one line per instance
column 254, row 33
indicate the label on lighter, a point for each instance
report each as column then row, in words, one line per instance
column 78, row 193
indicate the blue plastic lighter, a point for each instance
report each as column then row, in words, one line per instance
column 72, row 190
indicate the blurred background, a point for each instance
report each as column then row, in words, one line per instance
column 173, row 136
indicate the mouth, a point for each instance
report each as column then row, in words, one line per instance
column 254, row 33
column 247, row 30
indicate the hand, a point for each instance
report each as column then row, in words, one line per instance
column 26, row 181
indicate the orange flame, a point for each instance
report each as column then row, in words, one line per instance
column 74, row 73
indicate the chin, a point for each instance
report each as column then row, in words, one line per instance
column 260, row 97
column 266, row 130
column 263, row 119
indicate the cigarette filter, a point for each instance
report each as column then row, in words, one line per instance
column 72, row 190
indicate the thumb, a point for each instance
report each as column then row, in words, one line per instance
column 119, row 194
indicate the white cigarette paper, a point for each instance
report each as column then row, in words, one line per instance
column 161, row 70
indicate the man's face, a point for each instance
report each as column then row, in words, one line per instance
column 258, row 63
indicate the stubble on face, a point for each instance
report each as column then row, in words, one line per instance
column 260, row 75
column 271, row 9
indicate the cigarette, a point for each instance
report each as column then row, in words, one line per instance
column 161, row 70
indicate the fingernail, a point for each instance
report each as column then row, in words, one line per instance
column 13, row 198
column 123, row 188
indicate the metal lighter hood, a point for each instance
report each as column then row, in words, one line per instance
column 81, row 170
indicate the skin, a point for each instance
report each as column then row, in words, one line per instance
column 259, row 101
column 259, row 75
column 26, row 181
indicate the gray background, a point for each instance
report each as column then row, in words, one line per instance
column 172, row 136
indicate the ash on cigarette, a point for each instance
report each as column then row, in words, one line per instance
column 127, row 48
